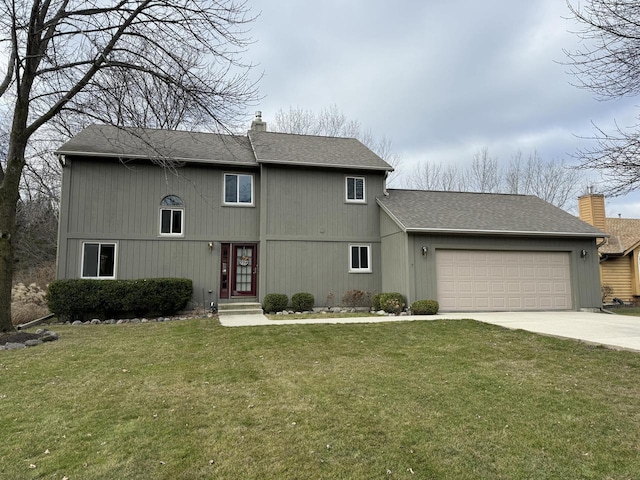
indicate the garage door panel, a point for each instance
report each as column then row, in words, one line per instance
column 502, row 280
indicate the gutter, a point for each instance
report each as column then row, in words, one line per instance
column 150, row 158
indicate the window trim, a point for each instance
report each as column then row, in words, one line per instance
column 237, row 203
column 171, row 209
column 115, row 259
column 360, row 246
column 364, row 189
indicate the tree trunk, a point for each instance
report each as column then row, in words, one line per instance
column 9, row 194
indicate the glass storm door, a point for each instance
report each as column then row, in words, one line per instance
column 243, row 277
column 225, row 270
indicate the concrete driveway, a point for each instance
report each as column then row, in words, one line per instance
column 617, row 331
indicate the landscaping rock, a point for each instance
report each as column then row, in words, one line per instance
column 95, row 321
column 13, row 346
column 49, row 337
column 134, row 320
column 77, row 322
column 144, row 320
column 32, row 343
column 120, row 322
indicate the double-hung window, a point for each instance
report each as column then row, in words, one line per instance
column 355, row 189
column 359, row 258
column 171, row 216
column 238, row 189
column 98, row 260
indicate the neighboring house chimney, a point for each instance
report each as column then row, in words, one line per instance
column 591, row 210
column 258, row 125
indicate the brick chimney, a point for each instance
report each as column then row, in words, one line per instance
column 258, row 125
column 591, row 209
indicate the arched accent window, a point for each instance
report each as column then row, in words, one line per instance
column 171, row 216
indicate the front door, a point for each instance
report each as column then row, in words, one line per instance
column 239, row 270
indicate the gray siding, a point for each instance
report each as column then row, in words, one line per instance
column 107, row 201
column 395, row 256
column 307, row 227
column 155, row 259
column 310, row 203
column 317, row 268
column 111, row 198
column 585, row 277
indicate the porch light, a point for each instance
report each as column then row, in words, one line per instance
column 425, row 249
column 583, row 253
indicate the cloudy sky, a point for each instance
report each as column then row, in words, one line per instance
column 440, row 79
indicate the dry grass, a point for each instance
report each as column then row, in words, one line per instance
column 439, row 399
column 28, row 295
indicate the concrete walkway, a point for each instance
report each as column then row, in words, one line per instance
column 616, row 331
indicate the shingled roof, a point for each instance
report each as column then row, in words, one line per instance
column 481, row 213
column 147, row 143
column 625, row 236
column 199, row 147
column 312, row 150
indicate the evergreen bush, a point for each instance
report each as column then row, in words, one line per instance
column 302, row 301
column 424, row 307
column 275, row 302
column 390, row 302
column 78, row 299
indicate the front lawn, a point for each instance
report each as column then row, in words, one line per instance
column 430, row 400
column 632, row 311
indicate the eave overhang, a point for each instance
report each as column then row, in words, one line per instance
column 151, row 158
column 325, row 165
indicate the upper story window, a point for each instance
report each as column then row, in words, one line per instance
column 238, row 189
column 355, row 189
column 171, row 216
column 360, row 258
column 98, row 260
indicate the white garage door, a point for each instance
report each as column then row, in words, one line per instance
column 476, row 280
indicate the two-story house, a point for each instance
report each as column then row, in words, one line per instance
column 243, row 216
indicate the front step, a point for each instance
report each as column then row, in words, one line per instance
column 244, row 308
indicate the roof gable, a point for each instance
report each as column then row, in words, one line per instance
column 481, row 213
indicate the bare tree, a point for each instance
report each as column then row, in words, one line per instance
column 65, row 56
column 608, row 64
column 484, row 175
column 437, row 176
column 331, row 122
column 551, row 181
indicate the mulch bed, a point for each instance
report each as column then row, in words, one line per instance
column 17, row 337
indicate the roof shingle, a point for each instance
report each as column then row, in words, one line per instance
column 111, row 141
column 481, row 213
column 311, row 150
column 625, row 235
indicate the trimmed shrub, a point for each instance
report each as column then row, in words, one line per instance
column 275, row 302
column 390, row 302
column 425, row 307
column 302, row 301
column 77, row 299
column 356, row 298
